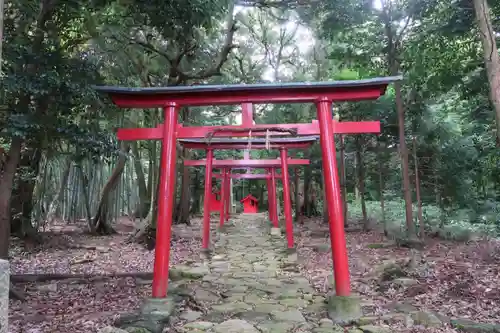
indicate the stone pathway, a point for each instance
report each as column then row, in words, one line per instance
column 252, row 285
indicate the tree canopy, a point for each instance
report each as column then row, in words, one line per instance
column 440, row 122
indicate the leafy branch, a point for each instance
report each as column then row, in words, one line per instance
column 176, row 74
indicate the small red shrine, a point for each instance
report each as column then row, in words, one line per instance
column 250, row 204
column 215, row 201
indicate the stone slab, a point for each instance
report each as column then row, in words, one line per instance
column 4, row 295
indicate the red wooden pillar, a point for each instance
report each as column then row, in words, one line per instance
column 206, row 201
column 165, row 203
column 228, row 193
column 223, row 194
column 274, row 206
column 286, row 198
column 333, row 199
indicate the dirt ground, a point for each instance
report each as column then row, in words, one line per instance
column 454, row 279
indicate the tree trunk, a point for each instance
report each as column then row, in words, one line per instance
column 307, row 186
column 100, row 224
column 2, row 4
column 143, row 204
column 51, row 214
column 403, row 150
column 196, row 207
column 144, row 229
column 491, row 58
column 185, row 197
column 417, row 190
column 313, row 195
column 183, row 206
column 8, row 167
column 343, row 178
column 393, row 50
column 298, row 207
column 356, row 181
column 152, row 176
column 149, row 237
column 326, row 218
column 361, row 180
column 262, row 190
column 40, row 194
column 85, row 192
column 22, row 196
column 381, row 186
column 181, row 215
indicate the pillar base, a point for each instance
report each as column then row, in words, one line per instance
column 206, row 253
column 292, row 256
column 153, row 316
column 275, row 232
column 291, row 261
column 344, row 310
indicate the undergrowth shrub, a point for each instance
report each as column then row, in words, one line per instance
column 458, row 225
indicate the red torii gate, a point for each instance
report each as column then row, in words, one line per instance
column 226, row 165
column 270, row 176
column 283, row 144
column 323, row 94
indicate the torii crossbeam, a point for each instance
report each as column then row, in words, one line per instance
column 322, row 94
column 246, row 163
column 301, row 129
column 247, row 176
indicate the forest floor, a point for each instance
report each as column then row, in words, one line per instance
column 452, row 279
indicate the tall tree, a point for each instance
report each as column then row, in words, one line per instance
column 491, row 58
column 46, row 83
column 182, row 48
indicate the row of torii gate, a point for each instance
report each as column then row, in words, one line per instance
column 270, row 136
column 283, row 144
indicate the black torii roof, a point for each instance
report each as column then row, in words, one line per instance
column 179, row 91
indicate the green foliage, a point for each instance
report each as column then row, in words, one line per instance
column 46, row 83
column 346, row 74
column 53, row 56
column 184, row 17
column 461, row 224
column 445, row 96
